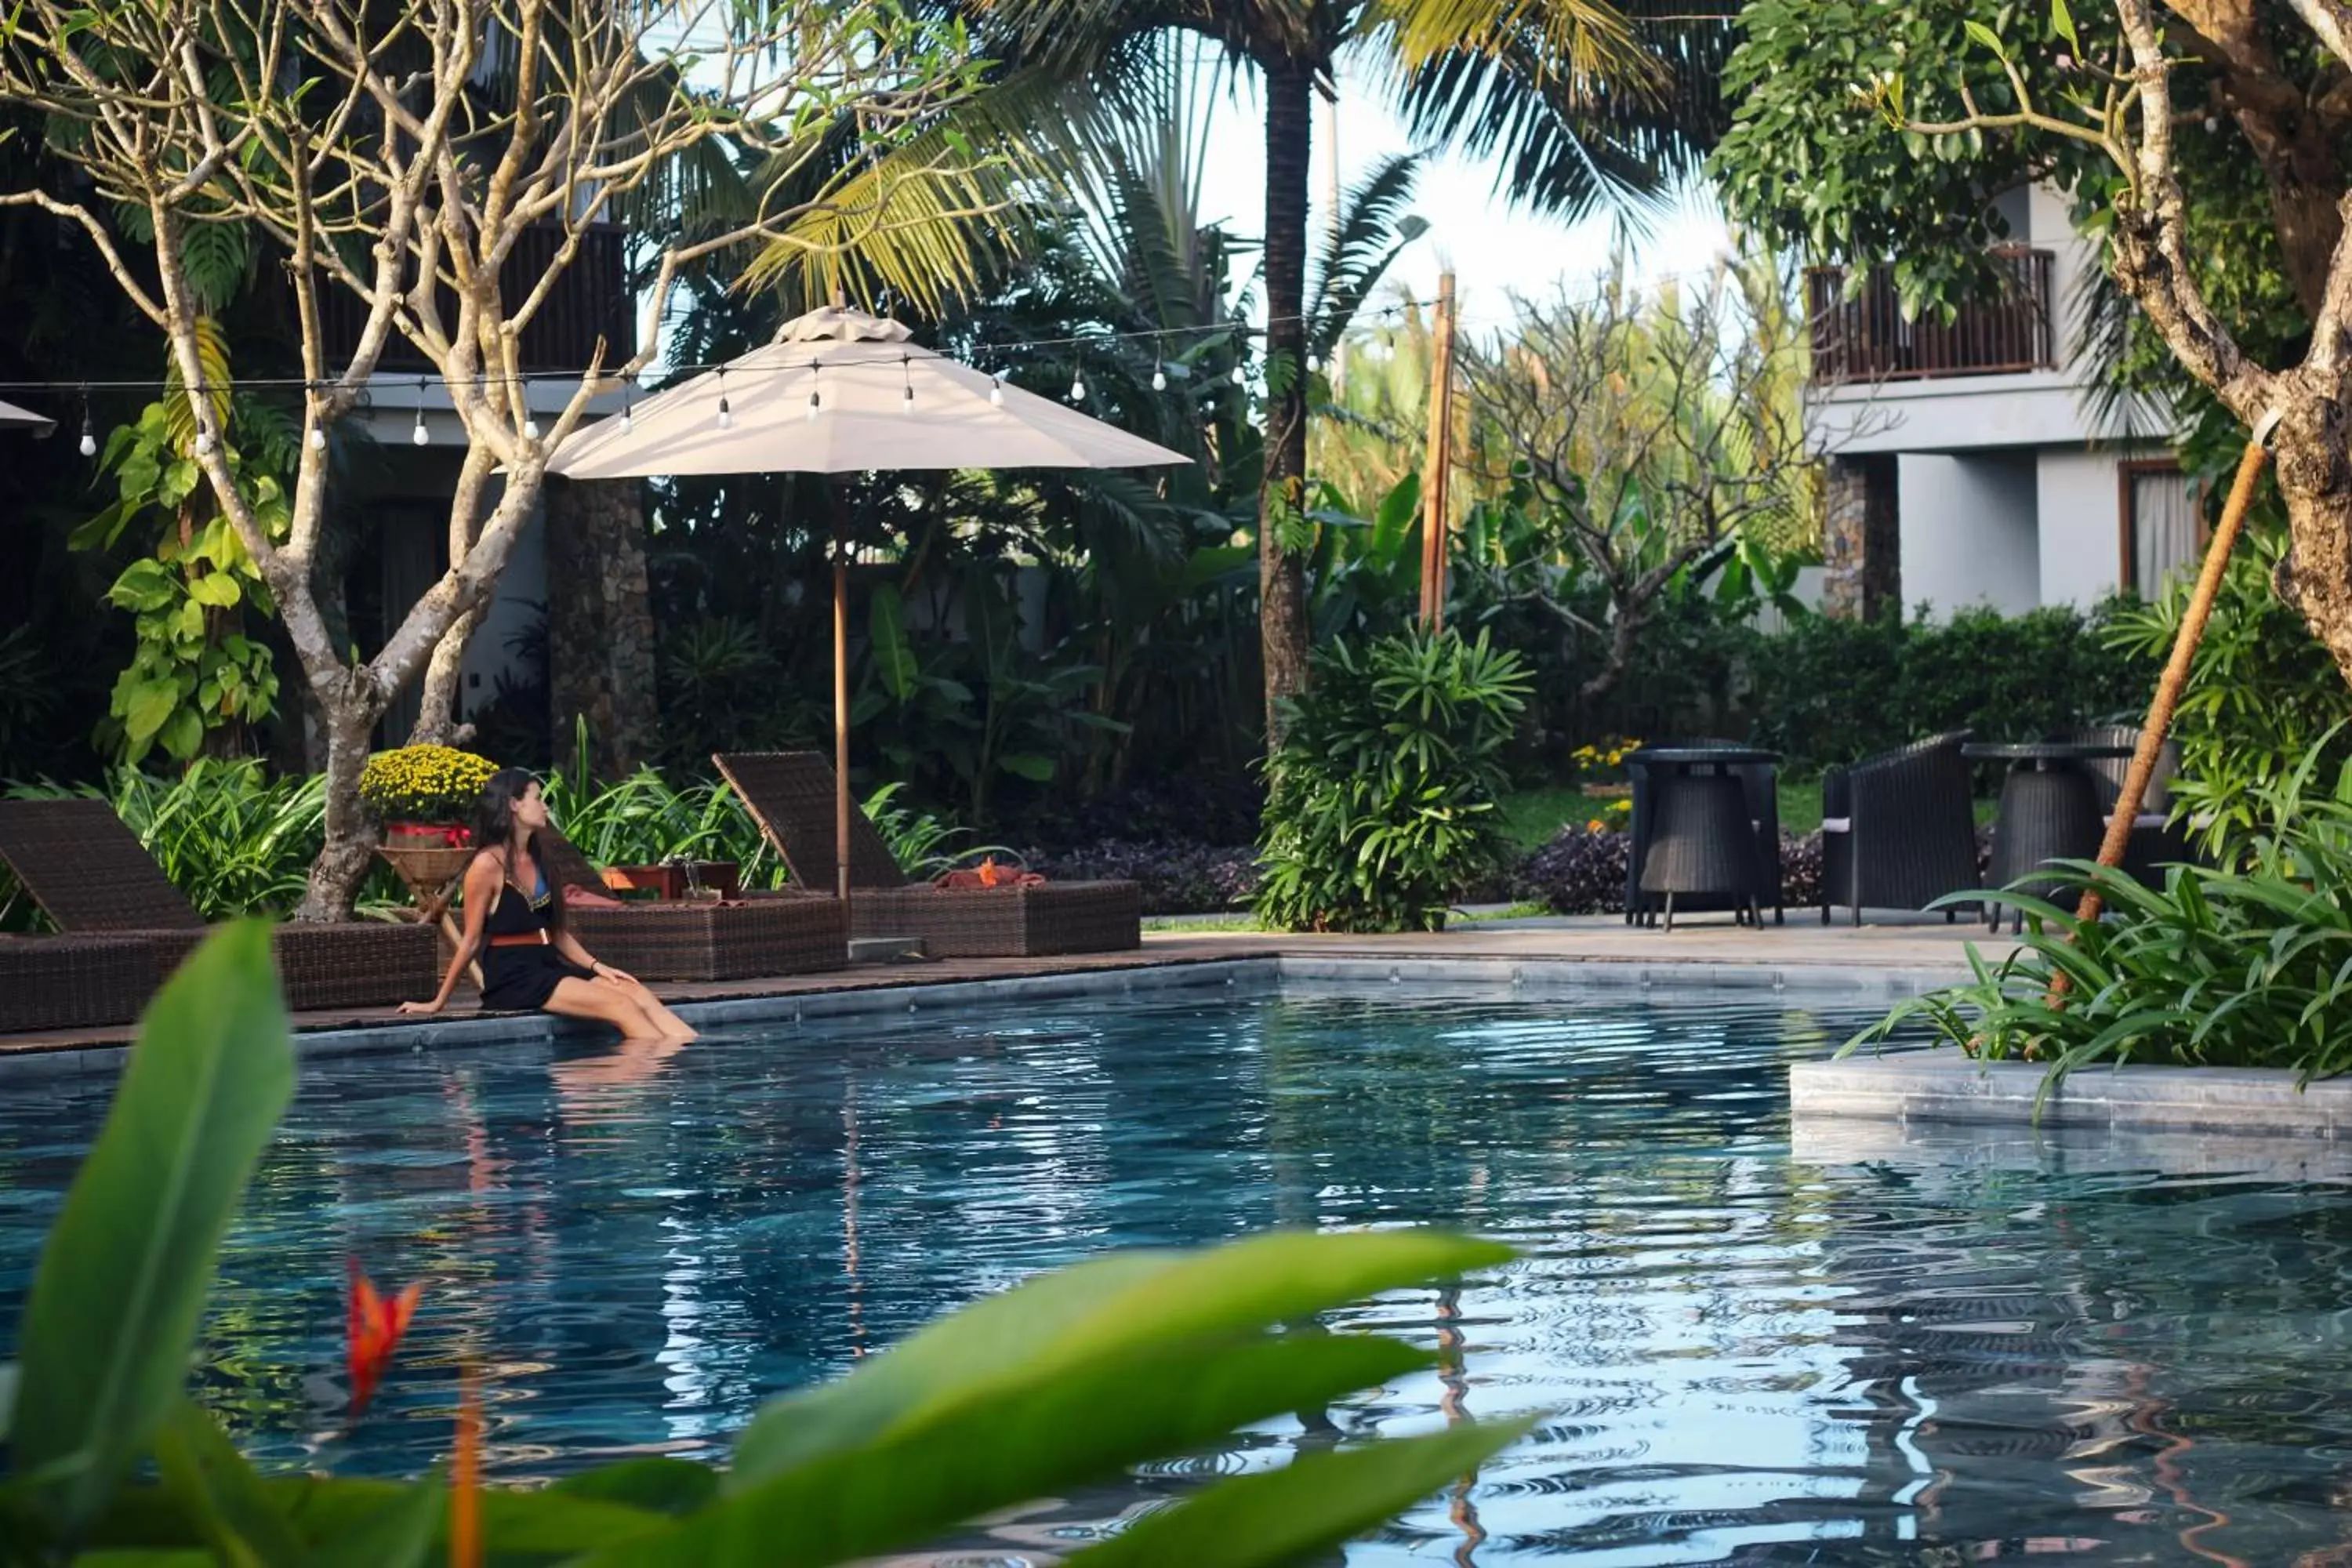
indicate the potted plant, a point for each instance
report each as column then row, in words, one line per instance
column 424, row 795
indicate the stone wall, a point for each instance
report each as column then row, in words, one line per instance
column 600, row 625
column 1862, row 540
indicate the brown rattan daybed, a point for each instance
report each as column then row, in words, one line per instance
column 790, row 794
column 78, row 861
column 690, row 940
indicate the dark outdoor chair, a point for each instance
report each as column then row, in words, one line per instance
column 1899, row 830
column 78, row 861
column 1761, row 782
column 694, row 940
column 791, row 795
column 2156, row 841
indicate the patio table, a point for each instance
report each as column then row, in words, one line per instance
column 2049, row 811
column 1701, row 839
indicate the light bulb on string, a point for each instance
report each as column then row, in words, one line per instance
column 417, row 436
column 529, row 428
column 1077, row 386
column 907, row 404
column 726, row 412
column 1314, row 361
column 204, row 439
column 1159, row 373
column 318, row 434
column 1241, row 374
column 995, row 390
column 628, row 423
column 816, row 397
column 89, row 438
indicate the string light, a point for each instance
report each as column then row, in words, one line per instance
column 529, row 428
column 203, row 437
column 318, row 438
column 1079, row 383
column 1158, row 372
column 907, row 404
column 89, row 438
column 628, row 423
column 1241, row 374
column 726, row 412
column 416, row 436
column 1314, row 361
column 995, row 390
column 816, row 396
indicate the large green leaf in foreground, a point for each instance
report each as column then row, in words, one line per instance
column 114, row 1308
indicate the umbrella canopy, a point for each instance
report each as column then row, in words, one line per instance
column 15, row 419
column 840, row 392
column 861, row 371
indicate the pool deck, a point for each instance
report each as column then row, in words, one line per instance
column 1600, row 948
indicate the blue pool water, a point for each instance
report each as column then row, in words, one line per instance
column 1743, row 1357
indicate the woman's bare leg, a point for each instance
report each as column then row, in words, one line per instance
column 651, row 1005
column 603, row 1004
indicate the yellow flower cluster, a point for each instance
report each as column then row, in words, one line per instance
column 424, row 784
column 1606, row 754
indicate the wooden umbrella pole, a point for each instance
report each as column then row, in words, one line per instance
column 841, row 802
column 2175, row 677
column 1439, row 465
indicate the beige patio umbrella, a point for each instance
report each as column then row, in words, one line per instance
column 840, row 392
column 15, row 419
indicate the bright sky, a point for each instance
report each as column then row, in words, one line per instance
column 1494, row 248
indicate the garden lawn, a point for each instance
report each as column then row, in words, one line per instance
column 1533, row 817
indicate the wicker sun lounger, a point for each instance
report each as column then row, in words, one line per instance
column 800, row 934
column 78, row 862
column 791, row 795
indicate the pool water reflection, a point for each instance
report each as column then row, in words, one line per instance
column 1741, row 1357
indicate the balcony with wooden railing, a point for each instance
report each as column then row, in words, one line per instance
column 589, row 301
column 1859, row 334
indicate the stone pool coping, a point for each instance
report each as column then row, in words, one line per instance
column 1942, row 1085
column 903, row 990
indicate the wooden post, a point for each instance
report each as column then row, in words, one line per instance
column 2170, row 684
column 841, row 801
column 1438, row 467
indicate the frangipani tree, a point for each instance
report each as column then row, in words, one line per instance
column 400, row 156
column 2206, row 144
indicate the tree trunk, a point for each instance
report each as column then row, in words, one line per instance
column 436, row 713
column 343, row 864
column 2316, row 479
column 1282, row 577
column 600, row 624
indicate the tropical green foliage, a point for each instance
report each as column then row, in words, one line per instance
column 1825, row 691
column 2247, row 966
column 644, row 820
column 2262, row 694
column 233, row 838
column 1056, row 1384
column 196, row 671
column 1381, row 802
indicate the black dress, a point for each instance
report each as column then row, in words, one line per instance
column 522, row 977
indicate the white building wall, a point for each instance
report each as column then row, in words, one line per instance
column 2077, row 501
column 1968, row 532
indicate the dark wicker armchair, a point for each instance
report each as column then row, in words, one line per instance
column 2156, row 841
column 1761, row 781
column 1899, row 830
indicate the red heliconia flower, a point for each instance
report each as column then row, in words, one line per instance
column 375, row 1325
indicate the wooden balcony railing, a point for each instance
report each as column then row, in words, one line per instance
column 1862, row 335
column 592, row 299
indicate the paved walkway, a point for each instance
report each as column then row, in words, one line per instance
column 1702, row 942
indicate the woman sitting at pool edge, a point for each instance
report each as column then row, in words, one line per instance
column 514, row 920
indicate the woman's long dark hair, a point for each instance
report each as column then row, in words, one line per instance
column 494, row 829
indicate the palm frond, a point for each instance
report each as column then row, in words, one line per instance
column 1372, row 228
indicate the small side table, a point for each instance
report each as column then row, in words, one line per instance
column 432, row 873
column 1701, row 839
column 2049, row 811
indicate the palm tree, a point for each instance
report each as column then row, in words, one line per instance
column 1586, row 103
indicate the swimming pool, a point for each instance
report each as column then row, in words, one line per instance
column 1743, row 1358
